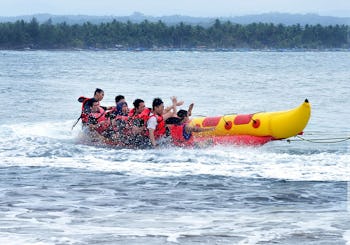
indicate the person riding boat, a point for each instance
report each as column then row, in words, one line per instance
column 139, row 114
column 181, row 131
column 138, row 117
column 86, row 106
column 122, row 109
column 118, row 99
column 119, row 115
column 156, row 124
column 97, row 119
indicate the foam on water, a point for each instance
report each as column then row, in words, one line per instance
column 245, row 228
column 54, row 144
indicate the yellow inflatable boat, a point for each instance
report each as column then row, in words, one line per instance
column 254, row 129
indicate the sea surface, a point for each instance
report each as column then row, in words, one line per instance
column 54, row 190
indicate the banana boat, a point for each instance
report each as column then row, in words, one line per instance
column 253, row 129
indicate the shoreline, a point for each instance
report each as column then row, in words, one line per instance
column 183, row 49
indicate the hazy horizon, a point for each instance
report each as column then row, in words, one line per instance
column 194, row 8
column 156, row 16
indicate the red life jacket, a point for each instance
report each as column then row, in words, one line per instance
column 142, row 117
column 112, row 111
column 100, row 117
column 125, row 119
column 84, row 111
column 179, row 135
column 160, row 130
column 131, row 112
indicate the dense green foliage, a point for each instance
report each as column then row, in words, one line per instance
column 147, row 35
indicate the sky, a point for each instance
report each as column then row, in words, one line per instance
column 196, row 8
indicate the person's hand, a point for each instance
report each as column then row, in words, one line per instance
column 189, row 111
column 173, row 100
column 180, row 103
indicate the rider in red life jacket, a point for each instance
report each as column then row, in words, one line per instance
column 118, row 99
column 87, row 104
column 139, row 115
column 97, row 119
column 137, row 119
column 120, row 111
column 155, row 124
column 120, row 121
column 181, row 131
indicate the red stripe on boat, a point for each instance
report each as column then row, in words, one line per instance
column 211, row 121
column 243, row 119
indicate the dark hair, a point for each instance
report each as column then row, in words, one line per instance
column 173, row 120
column 91, row 101
column 182, row 114
column 119, row 107
column 98, row 90
column 118, row 98
column 137, row 103
column 156, row 102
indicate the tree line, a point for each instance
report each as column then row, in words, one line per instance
column 153, row 35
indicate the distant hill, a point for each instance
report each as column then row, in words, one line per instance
column 275, row 18
column 291, row 19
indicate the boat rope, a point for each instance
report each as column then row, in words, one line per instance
column 223, row 118
column 75, row 124
column 321, row 141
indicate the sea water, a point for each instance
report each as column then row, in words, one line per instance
column 54, row 190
